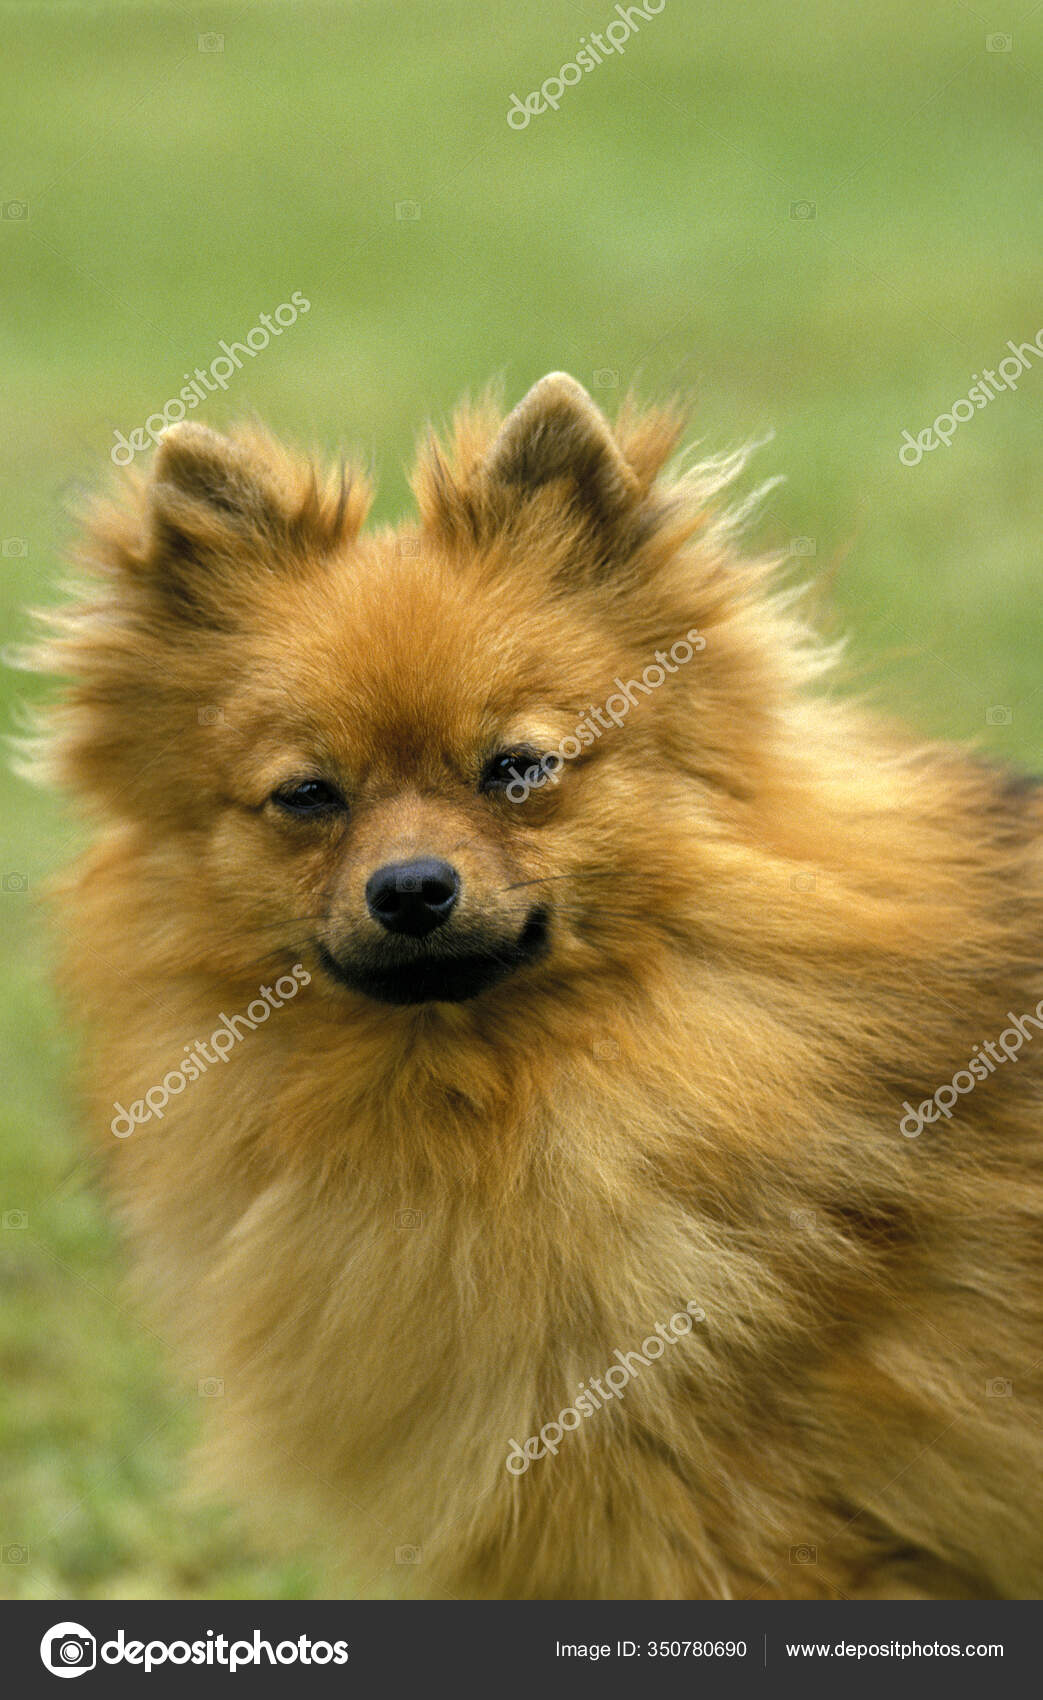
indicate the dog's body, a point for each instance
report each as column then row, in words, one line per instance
column 650, row 1036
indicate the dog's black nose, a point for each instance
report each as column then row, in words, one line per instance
column 413, row 897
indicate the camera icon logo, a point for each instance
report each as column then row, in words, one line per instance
column 210, row 43
column 15, row 1555
column 803, row 546
column 68, row 1650
column 606, row 379
column 15, row 1219
column 409, row 545
column 802, row 209
column 803, row 1555
column 408, row 1555
column 998, row 43
column 210, row 716
column 14, row 546
column 409, row 1218
column 407, row 212
column 804, row 1220
column 14, row 209
column 605, row 1050
column 999, row 1388
column 998, row 715
column 211, row 1387
column 15, row 882
column 803, row 882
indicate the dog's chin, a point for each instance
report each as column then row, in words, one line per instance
column 435, row 976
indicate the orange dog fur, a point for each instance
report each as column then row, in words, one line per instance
column 735, row 936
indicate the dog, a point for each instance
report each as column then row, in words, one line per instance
column 500, row 954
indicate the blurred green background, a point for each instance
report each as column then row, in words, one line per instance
column 816, row 219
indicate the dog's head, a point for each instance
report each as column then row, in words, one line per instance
column 430, row 759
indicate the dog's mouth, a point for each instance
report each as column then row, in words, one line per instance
column 432, row 975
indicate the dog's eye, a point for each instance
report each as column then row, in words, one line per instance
column 508, row 767
column 308, row 797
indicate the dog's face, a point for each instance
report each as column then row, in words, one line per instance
column 376, row 761
column 432, row 759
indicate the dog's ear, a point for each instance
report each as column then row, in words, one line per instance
column 558, row 434
column 220, row 510
column 205, row 492
column 556, row 465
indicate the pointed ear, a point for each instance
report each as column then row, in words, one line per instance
column 557, row 433
column 220, row 510
column 204, row 491
column 554, row 465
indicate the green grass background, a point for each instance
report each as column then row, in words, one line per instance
column 643, row 230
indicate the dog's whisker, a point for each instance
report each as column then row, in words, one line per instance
column 549, row 879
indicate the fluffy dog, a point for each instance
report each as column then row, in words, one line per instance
column 498, row 950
